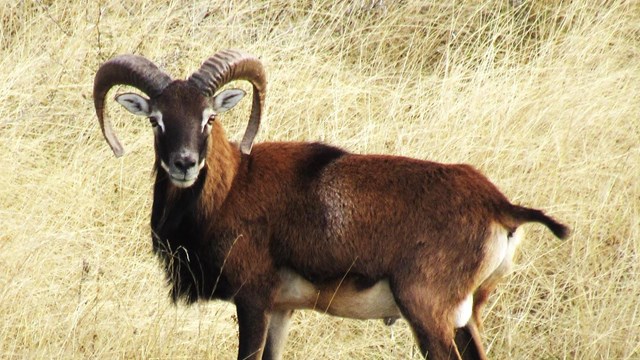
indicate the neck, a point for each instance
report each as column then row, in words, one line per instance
column 221, row 168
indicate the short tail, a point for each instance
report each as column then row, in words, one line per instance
column 524, row 214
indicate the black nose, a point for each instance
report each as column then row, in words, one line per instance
column 184, row 163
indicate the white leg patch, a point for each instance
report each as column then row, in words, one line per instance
column 463, row 312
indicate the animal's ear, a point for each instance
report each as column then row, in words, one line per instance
column 135, row 103
column 227, row 100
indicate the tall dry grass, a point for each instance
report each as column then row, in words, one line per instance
column 543, row 97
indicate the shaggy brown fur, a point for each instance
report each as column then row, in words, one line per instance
column 332, row 216
column 287, row 226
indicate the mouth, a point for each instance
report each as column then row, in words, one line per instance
column 182, row 181
column 179, row 178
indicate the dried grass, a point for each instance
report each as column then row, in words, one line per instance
column 543, row 97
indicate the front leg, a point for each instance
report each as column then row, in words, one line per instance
column 253, row 322
column 277, row 335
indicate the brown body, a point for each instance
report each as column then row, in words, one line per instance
column 309, row 226
column 287, row 226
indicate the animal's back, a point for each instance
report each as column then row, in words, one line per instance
column 360, row 214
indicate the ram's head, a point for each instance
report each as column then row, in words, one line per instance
column 181, row 112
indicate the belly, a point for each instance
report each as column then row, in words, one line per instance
column 342, row 297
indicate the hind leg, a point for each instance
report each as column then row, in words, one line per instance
column 480, row 298
column 431, row 323
column 468, row 339
column 469, row 342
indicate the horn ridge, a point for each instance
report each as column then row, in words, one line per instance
column 132, row 70
column 229, row 65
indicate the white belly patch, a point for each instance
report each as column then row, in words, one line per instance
column 340, row 298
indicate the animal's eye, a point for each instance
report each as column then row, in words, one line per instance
column 212, row 118
column 153, row 120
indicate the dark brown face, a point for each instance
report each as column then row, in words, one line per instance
column 181, row 114
column 181, row 118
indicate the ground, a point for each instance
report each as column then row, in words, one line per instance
column 542, row 97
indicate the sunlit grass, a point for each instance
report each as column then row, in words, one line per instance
column 544, row 98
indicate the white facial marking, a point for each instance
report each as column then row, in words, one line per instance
column 463, row 312
column 183, row 184
column 157, row 115
column 206, row 114
column 164, row 166
column 177, row 182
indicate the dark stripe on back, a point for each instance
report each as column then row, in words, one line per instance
column 318, row 156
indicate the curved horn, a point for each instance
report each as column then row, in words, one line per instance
column 132, row 70
column 229, row 65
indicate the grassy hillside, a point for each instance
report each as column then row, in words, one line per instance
column 544, row 98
